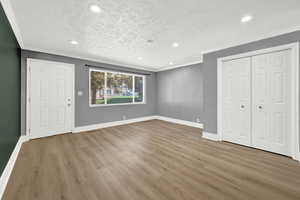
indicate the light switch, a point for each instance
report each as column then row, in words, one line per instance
column 79, row 93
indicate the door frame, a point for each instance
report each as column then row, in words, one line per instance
column 294, row 47
column 28, row 93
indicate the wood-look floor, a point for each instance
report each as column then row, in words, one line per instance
column 150, row 160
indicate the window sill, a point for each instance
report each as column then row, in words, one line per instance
column 119, row 104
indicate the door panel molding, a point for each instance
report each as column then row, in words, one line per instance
column 28, row 93
column 237, row 101
column 271, row 104
column 294, row 47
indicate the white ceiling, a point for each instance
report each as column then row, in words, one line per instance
column 120, row 32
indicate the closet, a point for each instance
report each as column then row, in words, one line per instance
column 256, row 100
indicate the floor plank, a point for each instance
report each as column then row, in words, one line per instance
column 149, row 160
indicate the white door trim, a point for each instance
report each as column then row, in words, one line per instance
column 28, row 92
column 294, row 47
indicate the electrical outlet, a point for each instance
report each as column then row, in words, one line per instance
column 198, row 120
column 124, row 117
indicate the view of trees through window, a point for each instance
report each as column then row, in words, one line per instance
column 115, row 88
column 139, row 89
column 97, row 87
column 119, row 88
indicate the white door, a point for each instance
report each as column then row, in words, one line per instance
column 236, row 119
column 271, row 101
column 51, row 98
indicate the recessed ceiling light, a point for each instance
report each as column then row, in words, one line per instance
column 140, row 58
column 74, row 42
column 246, row 18
column 171, row 63
column 95, row 8
column 175, row 44
column 150, row 41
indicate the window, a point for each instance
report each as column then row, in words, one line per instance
column 115, row 88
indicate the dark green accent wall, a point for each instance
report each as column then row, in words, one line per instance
column 10, row 80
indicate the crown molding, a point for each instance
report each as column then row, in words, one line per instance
column 234, row 44
column 70, row 55
column 180, row 65
column 254, row 39
column 12, row 20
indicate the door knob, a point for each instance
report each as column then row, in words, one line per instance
column 260, row 107
column 242, row 106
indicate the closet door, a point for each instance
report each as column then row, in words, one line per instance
column 236, row 119
column 271, row 101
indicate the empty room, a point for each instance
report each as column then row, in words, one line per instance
column 149, row 100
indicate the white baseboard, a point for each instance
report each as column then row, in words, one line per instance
column 211, row 136
column 179, row 121
column 129, row 121
column 110, row 124
column 10, row 165
column 297, row 157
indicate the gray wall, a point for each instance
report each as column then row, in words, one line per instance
column 85, row 115
column 180, row 93
column 203, row 84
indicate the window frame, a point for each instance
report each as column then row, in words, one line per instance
column 105, row 88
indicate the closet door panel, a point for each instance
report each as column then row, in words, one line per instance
column 271, row 101
column 236, row 117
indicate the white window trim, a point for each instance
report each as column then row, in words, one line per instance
column 105, row 86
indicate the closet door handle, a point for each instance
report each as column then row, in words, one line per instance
column 260, row 107
column 242, row 106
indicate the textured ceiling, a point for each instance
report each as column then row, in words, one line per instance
column 120, row 32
